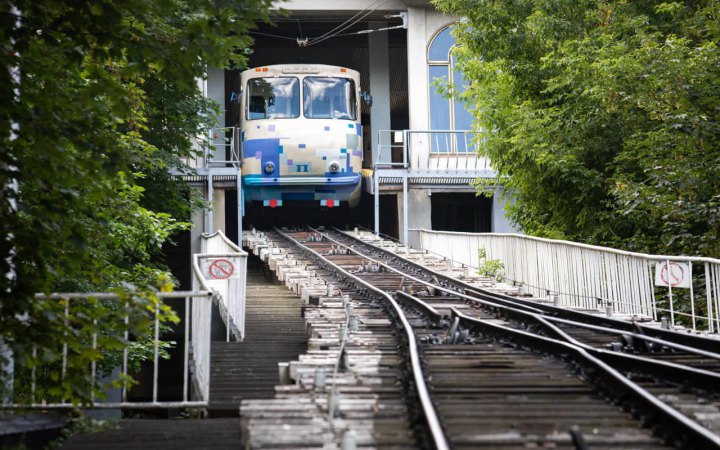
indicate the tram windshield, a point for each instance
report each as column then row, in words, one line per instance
column 329, row 98
column 273, row 98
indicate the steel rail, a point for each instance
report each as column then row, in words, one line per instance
column 430, row 414
column 513, row 305
column 693, row 431
column 698, row 342
column 695, row 435
column 675, row 372
column 635, row 335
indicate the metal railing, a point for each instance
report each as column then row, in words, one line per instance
column 413, row 155
column 219, row 147
column 430, row 151
column 222, row 268
column 51, row 371
column 687, row 289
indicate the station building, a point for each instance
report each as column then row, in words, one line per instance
column 419, row 159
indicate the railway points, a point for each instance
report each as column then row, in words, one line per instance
column 453, row 330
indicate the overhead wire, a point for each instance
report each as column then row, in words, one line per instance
column 337, row 31
column 272, row 35
column 321, row 39
column 350, row 19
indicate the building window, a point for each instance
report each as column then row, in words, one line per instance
column 447, row 113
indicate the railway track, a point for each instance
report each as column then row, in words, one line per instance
column 500, row 372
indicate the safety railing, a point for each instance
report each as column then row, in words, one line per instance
column 445, row 150
column 684, row 289
column 222, row 268
column 105, row 352
column 391, row 149
column 219, row 147
column 430, row 151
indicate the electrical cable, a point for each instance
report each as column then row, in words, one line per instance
column 337, row 31
column 272, row 35
column 350, row 19
column 319, row 40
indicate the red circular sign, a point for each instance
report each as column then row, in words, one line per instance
column 221, row 269
column 672, row 275
column 330, row 203
column 272, row 203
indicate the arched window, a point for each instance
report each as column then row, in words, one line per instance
column 446, row 113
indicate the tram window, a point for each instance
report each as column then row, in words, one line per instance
column 273, row 98
column 329, row 98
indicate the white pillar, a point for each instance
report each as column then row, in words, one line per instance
column 379, row 85
column 216, row 92
column 209, row 219
column 405, row 209
column 417, row 68
column 218, row 206
column 240, row 207
column 376, row 191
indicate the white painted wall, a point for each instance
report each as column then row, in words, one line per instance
column 423, row 24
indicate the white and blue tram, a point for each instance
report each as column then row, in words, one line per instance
column 301, row 136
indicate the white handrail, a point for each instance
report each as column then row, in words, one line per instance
column 200, row 301
column 223, row 268
column 430, row 150
column 590, row 276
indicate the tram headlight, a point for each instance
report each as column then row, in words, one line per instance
column 334, row 167
column 269, row 168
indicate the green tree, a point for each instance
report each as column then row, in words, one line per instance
column 605, row 116
column 105, row 106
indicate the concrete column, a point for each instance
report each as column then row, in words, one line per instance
column 499, row 222
column 216, row 91
column 417, row 68
column 379, row 85
column 198, row 226
column 218, row 207
column 418, row 214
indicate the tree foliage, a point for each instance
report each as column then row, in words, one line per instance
column 605, row 116
column 98, row 102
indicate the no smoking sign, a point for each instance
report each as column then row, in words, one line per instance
column 673, row 274
column 220, row 268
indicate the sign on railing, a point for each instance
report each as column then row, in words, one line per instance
column 592, row 277
column 222, row 267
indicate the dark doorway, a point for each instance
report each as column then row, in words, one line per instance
column 461, row 212
column 231, row 215
column 389, row 215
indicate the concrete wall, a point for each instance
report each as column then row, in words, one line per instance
column 500, row 222
column 418, row 210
